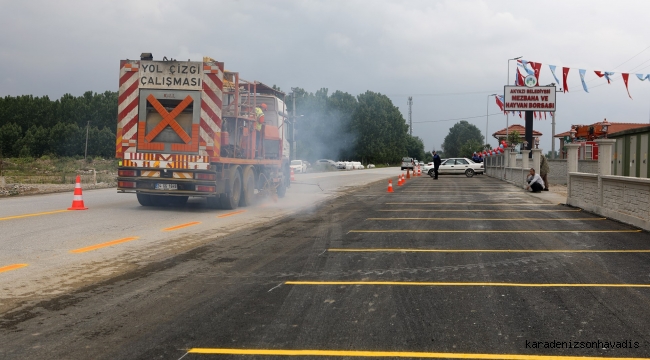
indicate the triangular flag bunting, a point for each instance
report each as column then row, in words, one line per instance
column 499, row 102
column 565, row 73
column 582, row 78
column 642, row 78
column 524, row 65
column 625, row 78
column 537, row 67
column 552, row 67
column 606, row 74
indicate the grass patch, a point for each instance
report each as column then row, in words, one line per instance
column 54, row 170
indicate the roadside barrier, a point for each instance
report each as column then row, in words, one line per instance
column 77, row 200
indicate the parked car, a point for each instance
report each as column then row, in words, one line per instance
column 407, row 163
column 458, row 166
column 348, row 165
column 427, row 167
column 326, row 163
column 298, row 166
column 371, row 166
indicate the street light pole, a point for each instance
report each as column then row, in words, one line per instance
column 487, row 118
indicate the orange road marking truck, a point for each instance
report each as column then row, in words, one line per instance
column 190, row 128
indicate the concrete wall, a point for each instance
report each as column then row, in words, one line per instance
column 587, row 166
column 622, row 198
column 558, row 169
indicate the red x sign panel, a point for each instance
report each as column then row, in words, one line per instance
column 169, row 118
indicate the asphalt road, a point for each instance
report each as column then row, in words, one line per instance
column 454, row 268
column 59, row 247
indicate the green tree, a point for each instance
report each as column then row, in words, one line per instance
column 415, row 147
column 380, row 129
column 514, row 137
column 470, row 147
column 10, row 134
column 460, row 134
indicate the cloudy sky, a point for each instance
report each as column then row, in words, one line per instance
column 449, row 55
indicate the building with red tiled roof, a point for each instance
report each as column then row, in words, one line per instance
column 589, row 149
column 613, row 128
column 501, row 134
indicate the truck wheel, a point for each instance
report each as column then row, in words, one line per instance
column 248, row 189
column 281, row 190
column 144, row 199
column 469, row 172
column 230, row 200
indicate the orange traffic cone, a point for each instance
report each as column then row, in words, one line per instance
column 390, row 186
column 400, row 181
column 77, row 201
column 419, row 171
column 293, row 177
column 408, row 174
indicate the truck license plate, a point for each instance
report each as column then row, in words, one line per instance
column 166, row 187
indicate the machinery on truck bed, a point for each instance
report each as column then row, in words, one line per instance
column 188, row 128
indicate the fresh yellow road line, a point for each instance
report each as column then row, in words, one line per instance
column 432, row 283
column 473, row 192
column 103, row 245
column 483, row 219
column 12, row 267
column 231, row 213
column 181, row 226
column 468, row 203
column 393, row 354
column 482, row 210
column 494, row 231
column 485, row 251
column 30, row 215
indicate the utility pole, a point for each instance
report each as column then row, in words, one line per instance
column 293, row 124
column 553, row 135
column 86, row 151
column 410, row 102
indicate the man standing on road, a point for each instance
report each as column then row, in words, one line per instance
column 543, row 171
column 535, row 182
column 436, row 164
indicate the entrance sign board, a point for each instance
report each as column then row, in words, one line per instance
column 523, row 98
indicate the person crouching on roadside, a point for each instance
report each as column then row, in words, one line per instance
column 535, row 182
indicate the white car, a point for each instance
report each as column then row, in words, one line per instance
column 371, row 166
column 458, row 166
column 356, row 165
column 298, row 166
column 427, row 167
column 407, row 163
